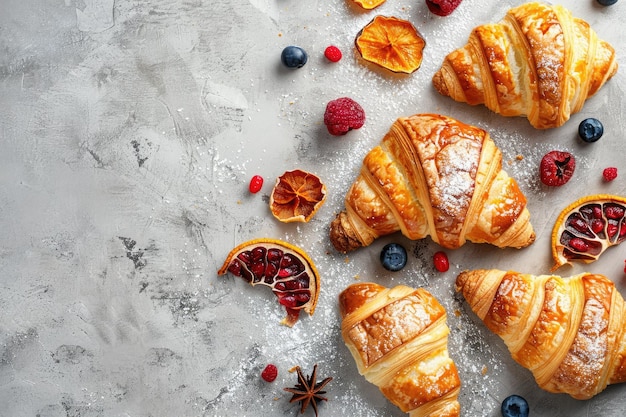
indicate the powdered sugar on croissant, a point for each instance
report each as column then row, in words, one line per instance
column 434, row 176
column 569, row 332
column 399, row 340
column 539, row 61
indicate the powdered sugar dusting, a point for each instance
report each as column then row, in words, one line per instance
column 130, row 132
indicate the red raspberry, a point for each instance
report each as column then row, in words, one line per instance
column 609, row 174
column 256, row 183
column 440, row 259
column 332, row 53
column 343, row 115
column 270, row 373
column 442, row 7
column 557, row 168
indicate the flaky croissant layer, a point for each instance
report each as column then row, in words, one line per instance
column 435, row 176
column 398, row 338
column 569, row 332
column 539, row 61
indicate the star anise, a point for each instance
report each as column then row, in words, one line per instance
column 307, row 390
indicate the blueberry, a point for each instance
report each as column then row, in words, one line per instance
column 590, row 130
column 514, row 406
column 393, row 257
column 293, row 57
column 607, row 2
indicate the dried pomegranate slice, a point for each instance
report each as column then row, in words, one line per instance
column 587, row 227
column 283, row 267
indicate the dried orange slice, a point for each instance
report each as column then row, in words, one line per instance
column 587, row 227
column 392, row 43
column 297, row 195
column 283, row 267
column 369, row 4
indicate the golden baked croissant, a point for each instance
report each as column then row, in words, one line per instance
column 433, row 175
column 539, row 61
column 399, row 340
column 569, row 332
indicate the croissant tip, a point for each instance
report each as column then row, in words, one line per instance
column 530, row 240
column 340, row 237
column 460, row 280
column 440, row 84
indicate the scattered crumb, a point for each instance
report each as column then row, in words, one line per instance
column 484, row 370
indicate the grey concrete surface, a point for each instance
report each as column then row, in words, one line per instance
column 129, row 130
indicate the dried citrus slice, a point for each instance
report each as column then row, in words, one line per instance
column 392, row 43
column 283, row 267
column 297, row 195
column 587, row 227
column 369, row 4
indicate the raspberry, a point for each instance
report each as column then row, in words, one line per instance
column 440, row 259
column 557, row 168
column 270, row 373
column 442, row 7
column 343, row 115
column 609, row 173
column 256, row 183
column 332, row 53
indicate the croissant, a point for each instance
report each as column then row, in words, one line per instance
column 399, row 340
column 539, row 61
column 433, row 175
column 569, row 332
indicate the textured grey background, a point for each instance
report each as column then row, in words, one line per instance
column 129, row 131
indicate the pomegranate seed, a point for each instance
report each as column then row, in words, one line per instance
column 611, row 230
column 597, row 212
column 579, row 224
column 270, row 270
column 303, row 298
column 440, row 259
column 578, row 244
column 609, row 174
column 288, row 301
column 270, row 373
column 614, row 212
column 625, row 267
column 256, row 183
column 597, row 226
